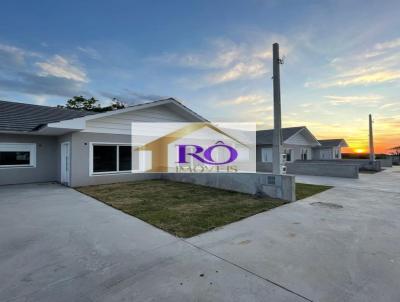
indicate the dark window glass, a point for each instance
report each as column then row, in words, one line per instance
column 288, row 155
column 125, row 158
column 14, row 158
column 104, row 158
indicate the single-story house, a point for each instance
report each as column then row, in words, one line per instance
column 76, row 148
column 298, row 144
column 329, row 149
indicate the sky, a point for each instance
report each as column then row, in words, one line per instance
column 341, row 59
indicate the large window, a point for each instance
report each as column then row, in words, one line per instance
column 17, row 155
column 111, row 158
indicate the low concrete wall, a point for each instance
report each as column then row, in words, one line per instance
column 363, row 164
column 323, row 169
column 387, row 162
column 276, row 186
column 316, row 168
column 264, row 167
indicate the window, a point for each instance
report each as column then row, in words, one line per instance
column 111, row 158
column 125, row 158
column 17, row 155
column 288, row 153
column 266, row 155
column 337, row 153
column 304, row 154
column 104, row 158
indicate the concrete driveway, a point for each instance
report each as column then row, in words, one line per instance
column 342, row 245
column 59, row 245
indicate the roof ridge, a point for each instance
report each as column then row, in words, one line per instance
column 44, row 106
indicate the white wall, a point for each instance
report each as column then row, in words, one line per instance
column 121, row 123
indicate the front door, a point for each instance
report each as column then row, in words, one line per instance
column 65, row 163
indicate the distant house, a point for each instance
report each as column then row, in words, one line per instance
column 329, row 149
column 298, row 144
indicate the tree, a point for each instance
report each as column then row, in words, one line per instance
column 81, row 103
column 396, row 151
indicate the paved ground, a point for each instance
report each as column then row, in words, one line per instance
column 340, row 245
column 59, row 245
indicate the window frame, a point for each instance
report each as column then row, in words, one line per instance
column 288, row 151
column 20, row 147
column 117, row 172
column 267, row 151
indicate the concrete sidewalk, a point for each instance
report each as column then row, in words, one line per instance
column 387, row 180
column 57, row 244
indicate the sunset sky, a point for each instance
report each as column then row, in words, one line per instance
column 342, row 59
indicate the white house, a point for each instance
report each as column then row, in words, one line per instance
column 298, row 144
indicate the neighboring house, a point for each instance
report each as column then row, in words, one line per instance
column 76, row 148
column 329, row 149
column 298, row 144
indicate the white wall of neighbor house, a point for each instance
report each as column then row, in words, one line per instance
column 121, row 123
column 293, row 152
column 327, row 153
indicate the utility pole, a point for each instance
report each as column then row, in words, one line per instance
column 371, row 140
column 277, row 134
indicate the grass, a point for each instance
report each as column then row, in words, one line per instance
column 183, row 209
column 306, row 190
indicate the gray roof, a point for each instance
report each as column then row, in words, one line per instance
column 264, row 137
column 28, row 117
column 325, row 143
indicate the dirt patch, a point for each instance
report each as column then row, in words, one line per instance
column 327, row 205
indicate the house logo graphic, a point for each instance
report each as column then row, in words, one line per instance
column 189, row 147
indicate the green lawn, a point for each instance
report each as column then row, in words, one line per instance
column 183, row 209
column 306, row 190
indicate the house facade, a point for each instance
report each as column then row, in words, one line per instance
column 299, row 144
column 76, row 148
column 329, row 149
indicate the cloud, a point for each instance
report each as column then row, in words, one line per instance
column 389, row 105
column 224, row 60
column 377, row 65
column 24, row 82
column 90, row 52
column 132, row 97
column 28, row 72
column 251, row 99
column 388, row 44
column 12, row 58
column 40, row 99
column 354, row 99
column 239, row 71
column 59, row 66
